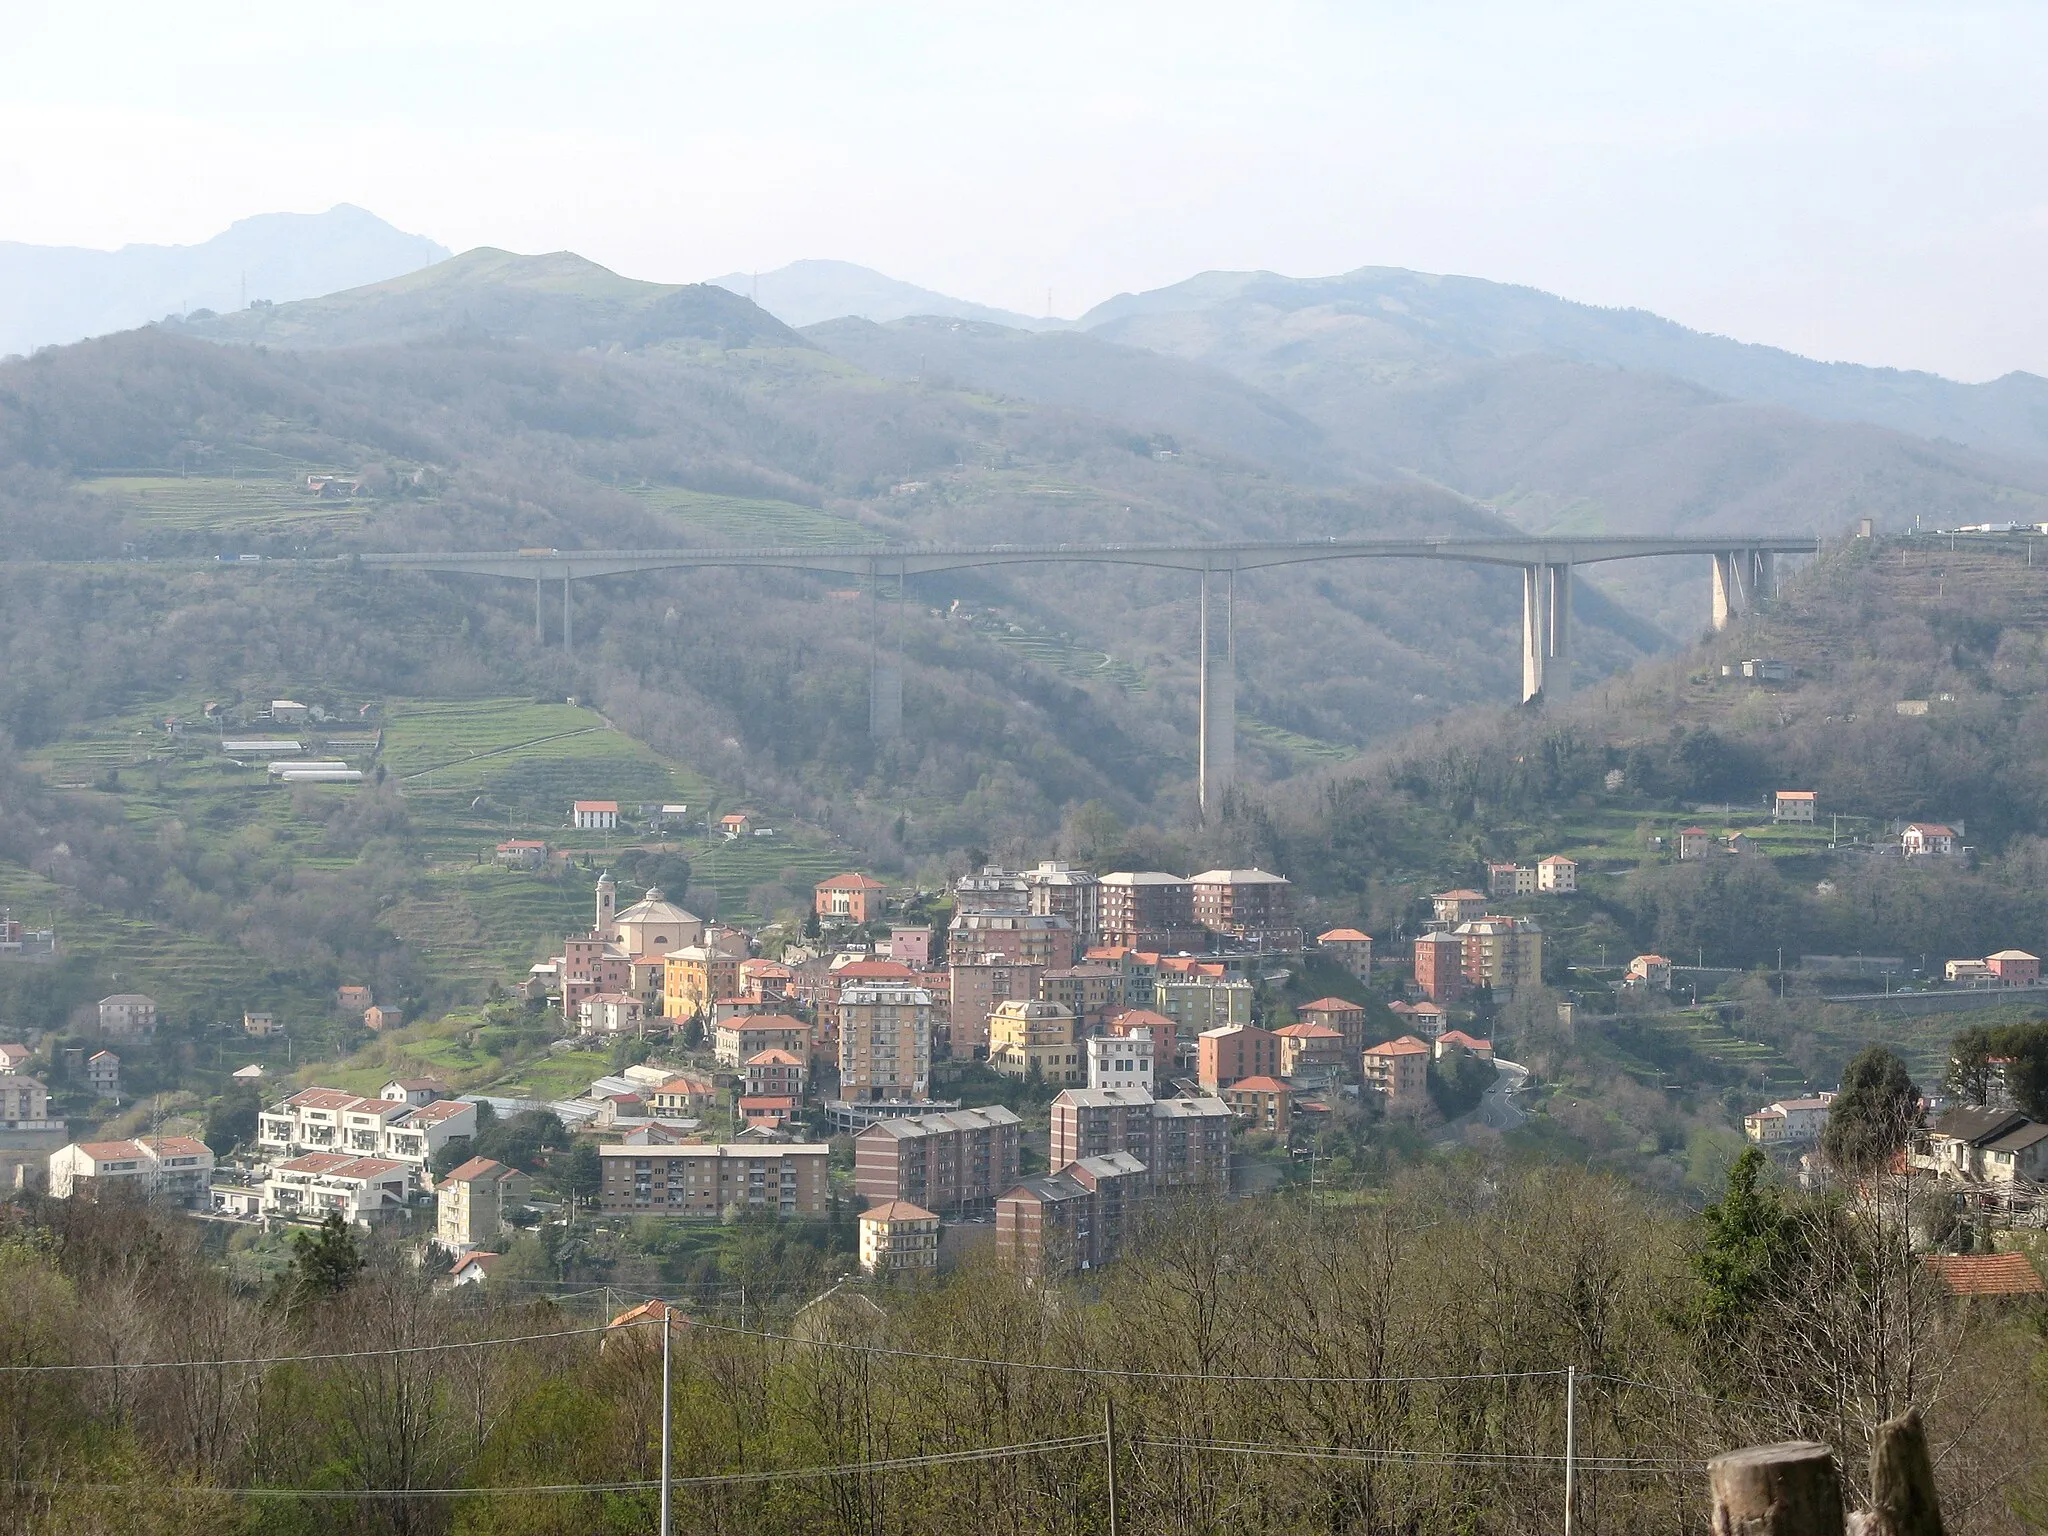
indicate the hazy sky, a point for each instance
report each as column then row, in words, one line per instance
column 1862, row 181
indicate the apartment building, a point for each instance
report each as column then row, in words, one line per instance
column 1060, row 890
column 898, row 1237
column 695, row 977
column 1091, row 992
column 1398, row 1070
column 1183, row 1143
column 1151, row 911
column 127, row 1013
column 1088, row 1122
column 1190, row 1144
column 1157, row 1026
column 1021, row 937
column 1340, row 1014
column 701, row 1181
column 951, row 1163
column 1350, row 948
column 333, row 1120
column 1121, row 1061
column 775, row 1074
column 981, row 984
column 885, row 1043
column 471, row 1204
column 1311, row 1048
column 1075, row 1220
column 1261, row 1104
column 992, row 889
column 1503, row 953
column 1440, row 967
column 173, row 1169
column 1198, row 1003
column 361, row 1189
column 1236, row 1051
column 1249, row 908
column 736, row 1040
column 1033, row 1037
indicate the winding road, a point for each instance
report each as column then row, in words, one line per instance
column 1498, row 1109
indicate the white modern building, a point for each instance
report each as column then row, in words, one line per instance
column 170, row 1168
column 1121, row 1061
column 361, row 1188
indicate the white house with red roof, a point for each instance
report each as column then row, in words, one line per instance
column 362, row 1189
column 1795, row 805
column 1922, row 838
column 1350, row 948
column 594, row 815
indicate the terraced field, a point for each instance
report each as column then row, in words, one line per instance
column 1294, row 742
column 1063, row 654
column 210, row 504
column 748, row 521
column 473, row 772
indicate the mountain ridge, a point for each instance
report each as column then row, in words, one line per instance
column 812, row 291
column 51, row 295
column 557, row 299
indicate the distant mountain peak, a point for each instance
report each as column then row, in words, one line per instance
column 813, row 290
column 557, row 299
column 55, row 294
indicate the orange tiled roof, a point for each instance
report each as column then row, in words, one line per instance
column 1987, row 1274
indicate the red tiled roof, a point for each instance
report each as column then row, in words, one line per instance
column 108, row 1151
column 1309, row 1032
column 851, row 882
column 1987, row 1274
column 1407, row 1045
column 1343, row 936
column 775, row 1056
column 897, row 1210
column 1257, row 1085
column 327, row 1098
column 875, row 970
column 478, row 1168
column 1330, row 1005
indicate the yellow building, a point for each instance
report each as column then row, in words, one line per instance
column 897, row 1236
column 693, row 978
column 1023, row 1034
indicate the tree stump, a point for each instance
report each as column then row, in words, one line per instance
column 1791, row 1489
column 1902, row 1498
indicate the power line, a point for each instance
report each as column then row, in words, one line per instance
column 1505, row 1460
column 349, row 1354
column 702, row 1480
column 1117, row 1372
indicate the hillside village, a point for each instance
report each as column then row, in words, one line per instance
column 1029, row 1059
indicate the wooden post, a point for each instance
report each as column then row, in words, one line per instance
column 1776, row 1490
column 1902, row 1499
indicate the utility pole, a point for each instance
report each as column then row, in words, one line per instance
column 1571, row 1444
column 1109, row 1454
column 666, row 1417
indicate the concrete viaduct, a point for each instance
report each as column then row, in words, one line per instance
column 1743, row 575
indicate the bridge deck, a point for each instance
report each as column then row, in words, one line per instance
column 920, row 559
